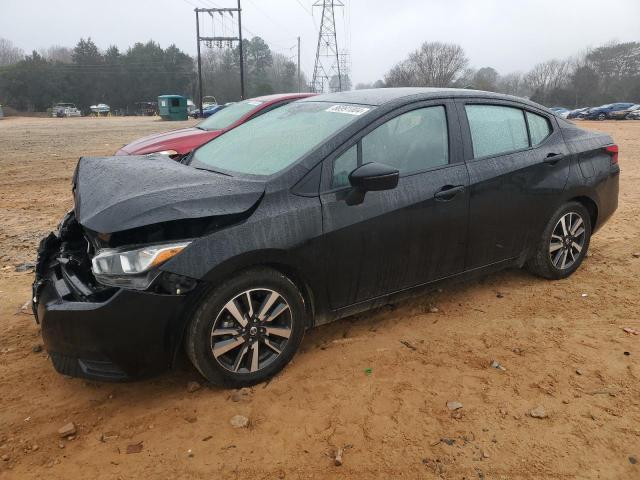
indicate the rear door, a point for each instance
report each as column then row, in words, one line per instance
column 518, row 166
column 395, row 239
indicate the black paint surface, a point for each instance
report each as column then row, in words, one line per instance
column 346, row 250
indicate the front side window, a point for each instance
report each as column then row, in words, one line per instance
column 343, row 166
column 496, row 129
column 539, row 128
column 411, row 142
column 277, row 139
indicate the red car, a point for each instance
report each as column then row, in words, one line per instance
column 178, row 143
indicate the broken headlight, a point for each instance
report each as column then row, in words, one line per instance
column 133, row 268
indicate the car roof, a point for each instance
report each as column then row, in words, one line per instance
column 380, row 96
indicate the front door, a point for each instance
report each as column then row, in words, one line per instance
column 396, row 239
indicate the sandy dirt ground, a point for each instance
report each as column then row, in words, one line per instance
column 376, row 385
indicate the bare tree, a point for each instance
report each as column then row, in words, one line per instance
column 511, row 84
column 57, row 53
column 434, row 64
column 438, row 64
column 9, row 53
column 402, row 75
column 548, row 76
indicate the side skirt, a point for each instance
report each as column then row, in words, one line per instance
column 416, row 291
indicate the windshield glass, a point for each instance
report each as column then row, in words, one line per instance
column 277, row 139
column 228, row 116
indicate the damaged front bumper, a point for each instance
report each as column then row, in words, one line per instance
column 97, row 332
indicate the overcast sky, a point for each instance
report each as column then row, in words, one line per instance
column 509, row 35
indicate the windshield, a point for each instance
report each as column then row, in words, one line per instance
column 229, row 115
column 277, row 139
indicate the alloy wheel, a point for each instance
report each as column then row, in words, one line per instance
column 251, row 330
column 567, row 241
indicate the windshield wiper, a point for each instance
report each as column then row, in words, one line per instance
column 212, row 171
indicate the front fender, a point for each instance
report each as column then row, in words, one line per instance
column 285, row 230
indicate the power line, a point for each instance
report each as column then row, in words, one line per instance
column 268, row 17
column 305, row 8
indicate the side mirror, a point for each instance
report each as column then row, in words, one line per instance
column 374, row 176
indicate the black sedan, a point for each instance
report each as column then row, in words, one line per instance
column 321, row 209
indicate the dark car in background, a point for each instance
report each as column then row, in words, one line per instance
column 623, row 114
column 209, row 110
column 576, row 113
column 178, row 143
column 314, row 211
column 604, row 111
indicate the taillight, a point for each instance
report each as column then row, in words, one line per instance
column 613, row 151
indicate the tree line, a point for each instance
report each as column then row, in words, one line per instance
column 85, row 75
column 609, row 73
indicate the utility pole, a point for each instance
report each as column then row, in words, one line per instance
column 241, row 55
column 219, row 41
column 199, row 63
column 327, row 63
column 299, row 76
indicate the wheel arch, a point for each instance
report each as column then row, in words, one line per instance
column 281, row 261
column 273, row 259
column 590, row 205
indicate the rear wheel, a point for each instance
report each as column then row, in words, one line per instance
column 247, row 329
column 563, row 244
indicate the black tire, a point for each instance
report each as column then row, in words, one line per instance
column 212, row 312
column 542, row 263
column 602, row 116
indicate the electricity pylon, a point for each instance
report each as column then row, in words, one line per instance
column 327, row 64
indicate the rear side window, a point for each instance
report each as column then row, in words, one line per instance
column 496, row 129
column 411, row 142
column 539, row 128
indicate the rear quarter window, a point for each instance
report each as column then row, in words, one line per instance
column 539, row 128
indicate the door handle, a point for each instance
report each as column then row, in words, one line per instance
column 553, row 158
column 447, row 192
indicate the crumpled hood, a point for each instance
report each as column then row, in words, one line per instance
column 118, row 193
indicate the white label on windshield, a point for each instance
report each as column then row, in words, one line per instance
column 254, row 103
column 348, row 109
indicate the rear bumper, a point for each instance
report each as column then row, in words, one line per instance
column 114, row 336
column 608, row 192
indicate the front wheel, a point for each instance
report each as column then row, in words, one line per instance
column 563, row 244
column 247, row 329
column 602, row 116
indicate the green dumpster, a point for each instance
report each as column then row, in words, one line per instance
column 172, row 107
